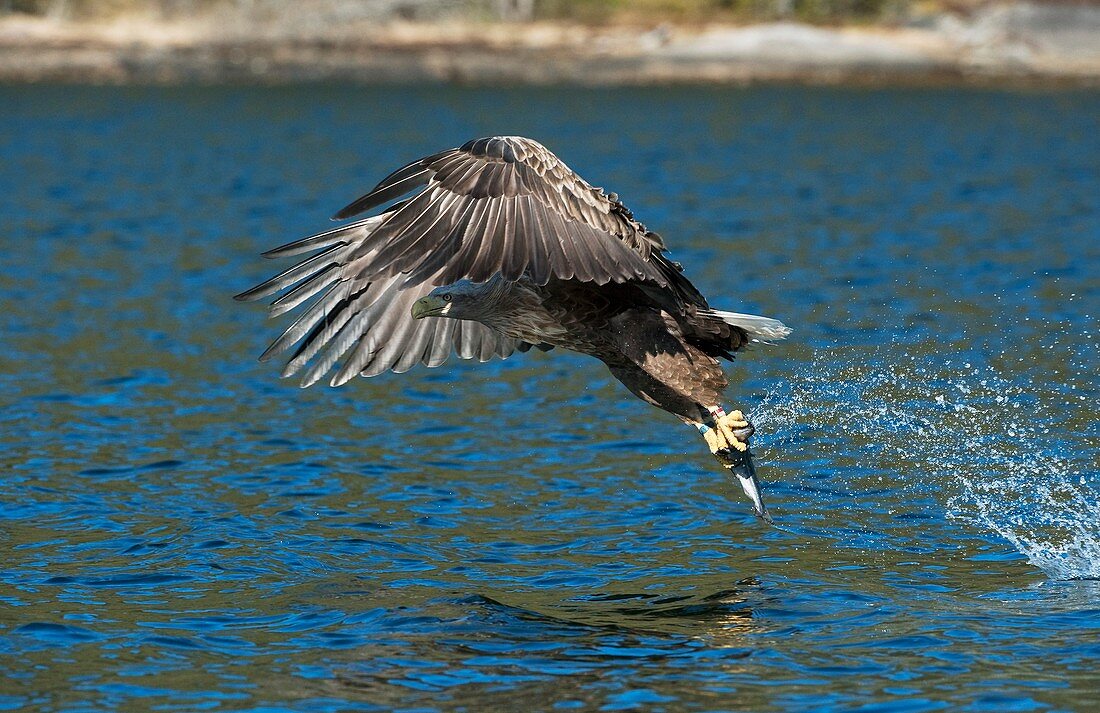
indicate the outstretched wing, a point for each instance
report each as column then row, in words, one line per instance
column 367, row 321
column 500, row 205
column 504, row 205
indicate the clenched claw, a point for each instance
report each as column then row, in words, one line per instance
column 730, row 434
column 737, row 430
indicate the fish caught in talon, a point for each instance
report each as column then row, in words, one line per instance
column 728, row 436
column 741, row 464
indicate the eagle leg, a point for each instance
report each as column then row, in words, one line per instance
column 727, row 436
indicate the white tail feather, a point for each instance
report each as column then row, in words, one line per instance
column 761, row 329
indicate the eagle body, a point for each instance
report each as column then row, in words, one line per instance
column 493, row 248
column 667, row 358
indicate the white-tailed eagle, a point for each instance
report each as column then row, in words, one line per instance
column 502, row 247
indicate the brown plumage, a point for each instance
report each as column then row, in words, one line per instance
column 502, row 247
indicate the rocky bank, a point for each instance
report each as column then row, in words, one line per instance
column 1017, row 42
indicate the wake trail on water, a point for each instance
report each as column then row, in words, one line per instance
column 1010, row 456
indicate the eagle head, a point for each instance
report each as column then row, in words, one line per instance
column 461, row 300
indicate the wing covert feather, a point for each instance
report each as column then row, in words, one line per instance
column 570, row 230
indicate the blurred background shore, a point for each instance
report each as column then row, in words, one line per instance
column 551, row 41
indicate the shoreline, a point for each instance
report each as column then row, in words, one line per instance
column 1014, row 45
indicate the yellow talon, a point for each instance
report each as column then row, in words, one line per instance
column 735, row 420
column 726, row 438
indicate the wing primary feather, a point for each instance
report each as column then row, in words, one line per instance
column 577, row 257
column 335, row 345
column 499, row 236
column 544, row 242
column 409, row 246
column 394, row 337
column 288, row 277
column 419, row 345
column 487, row 261
column 322, row 334
column 329, row 302
column 584, row 261
column 526, row 256
column 611, row 263
column 487, row 344
column 459, row 265
column 430, row 266
column 514, row 259
column 321, row 240
column 440, row 348
column 463, row 340
column 395, row 222
column 393, row 186
column 319, row 281
column 361, row 356
column 388, row 321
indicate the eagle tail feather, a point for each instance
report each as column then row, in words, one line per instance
column 761, row 329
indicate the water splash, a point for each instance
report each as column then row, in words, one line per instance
column 1009, row 458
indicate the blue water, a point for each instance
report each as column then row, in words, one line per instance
column 184, row 531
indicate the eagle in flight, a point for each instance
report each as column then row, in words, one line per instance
column 500, row 248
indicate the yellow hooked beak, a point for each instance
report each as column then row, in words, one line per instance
column 430, row 306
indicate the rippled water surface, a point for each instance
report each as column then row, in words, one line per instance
column 184, row 531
